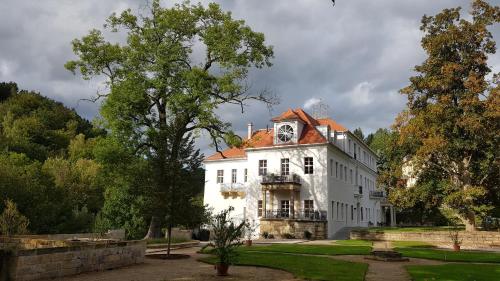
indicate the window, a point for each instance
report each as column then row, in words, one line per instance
column 308, row 165
column 345, row 173
column 285, row 208
column 262, row 167
column 259, row 208
column 308, row 208
column 233, row 175
column 220, row 176
column 361, row 213
column 245, row 178
column 352, row 212
column 337, row 210
column 349, row 146
column 341, row 171
column 337, row 169
column 333, row 207
column 342, row 211
column 350, row 175
column 354, row 150
column 285, row 166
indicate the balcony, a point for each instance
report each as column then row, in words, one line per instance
column 377, row 194
column 281, row 182
column 301, row 214
column 232, row 189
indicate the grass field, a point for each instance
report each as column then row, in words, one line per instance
column 354, row 243
column 310, row 249
column 309, row 268
column 455, row 272
column 445, row 255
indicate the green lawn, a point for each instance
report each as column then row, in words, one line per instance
column 445, row 255
column 412, row 244
column 407, row 229
column 311, row 249
column 455, row 272
column 309, row 268
column 354, row 243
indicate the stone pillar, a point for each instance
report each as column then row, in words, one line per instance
column 264, row 195
column 393, row 216
column 292, row 203
column 271, row 198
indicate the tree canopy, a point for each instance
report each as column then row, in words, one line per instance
column 166, row 83
column 449, row 132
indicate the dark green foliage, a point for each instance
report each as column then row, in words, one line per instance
column 7, row 90
column 45, row 167
column 359, row 133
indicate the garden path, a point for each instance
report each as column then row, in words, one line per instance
column 183, row 269
column 387, row 271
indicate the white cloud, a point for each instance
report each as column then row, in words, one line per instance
column 311, row 102
column 362, row 94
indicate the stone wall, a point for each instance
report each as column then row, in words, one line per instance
column 478, row 239
column 70, row 259
column 280, row 227
column 118, row 234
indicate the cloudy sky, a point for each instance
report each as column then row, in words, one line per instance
column 354, row 56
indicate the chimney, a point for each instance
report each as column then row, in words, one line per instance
column 250, row 130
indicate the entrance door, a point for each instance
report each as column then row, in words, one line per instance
column 285, row 208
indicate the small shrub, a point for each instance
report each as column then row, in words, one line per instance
column 307, row 235
column 226, row 236
column 12, row 222
column 288, row 236
column 265, row 234
column 270, row 236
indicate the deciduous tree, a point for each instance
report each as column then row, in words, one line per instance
column 450, row 129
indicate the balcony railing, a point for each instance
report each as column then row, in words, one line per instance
column 232, row 187
column 377, row 194
column 276, row 179
column 301, row 214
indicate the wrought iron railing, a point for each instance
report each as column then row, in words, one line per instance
column 273, row 179
column 377, row 194
column 301, row 214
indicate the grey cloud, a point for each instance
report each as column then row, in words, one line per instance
column 354, row 56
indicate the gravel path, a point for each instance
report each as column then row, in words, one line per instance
column 387, row 271
column 184, row 269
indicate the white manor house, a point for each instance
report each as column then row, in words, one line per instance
column 304, row 174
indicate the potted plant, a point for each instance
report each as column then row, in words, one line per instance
column 249, row 232
column 226, row 238
column 454, row 233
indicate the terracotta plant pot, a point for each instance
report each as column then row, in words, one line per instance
column 248, row 243
column 456, row 247
column 222, row 269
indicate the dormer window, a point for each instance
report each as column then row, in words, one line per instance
column 285, row 133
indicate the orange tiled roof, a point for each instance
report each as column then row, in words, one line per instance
column 234, row 152
column 333, row 125
column 264, row 138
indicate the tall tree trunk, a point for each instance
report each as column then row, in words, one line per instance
column 169, row 231
column 154, row 228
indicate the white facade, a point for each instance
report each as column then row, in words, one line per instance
column 341, row 186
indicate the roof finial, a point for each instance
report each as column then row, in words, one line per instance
column 320, row 110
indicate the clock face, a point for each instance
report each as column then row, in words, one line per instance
column 285, row 133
